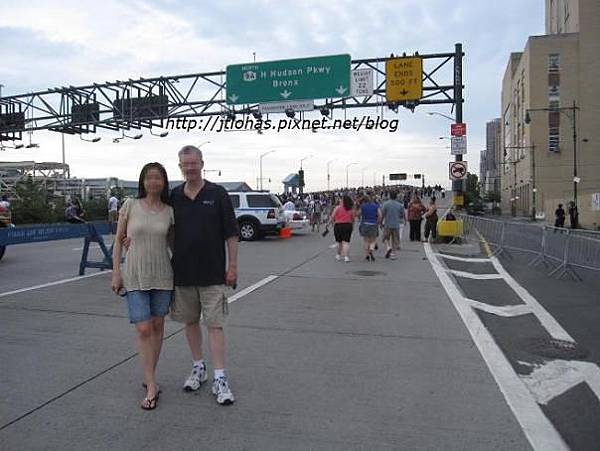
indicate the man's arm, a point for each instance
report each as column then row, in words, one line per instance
column 232, row 254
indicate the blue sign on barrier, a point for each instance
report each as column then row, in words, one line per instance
column 49, row 232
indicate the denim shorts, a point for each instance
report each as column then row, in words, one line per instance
column 143, row 305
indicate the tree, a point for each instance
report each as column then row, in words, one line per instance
column 31, row 203
column 472, row 190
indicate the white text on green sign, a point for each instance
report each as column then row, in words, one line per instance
column 297, row 79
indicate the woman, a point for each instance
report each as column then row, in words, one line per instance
column 342, row 219
column 431, row 220
column 370, row 218
column 147, row 276
column 415, row 213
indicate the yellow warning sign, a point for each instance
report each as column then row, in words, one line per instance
column 404, row 79
column 459, row 200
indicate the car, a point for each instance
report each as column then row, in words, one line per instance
column 297, row 220
column 258, row 213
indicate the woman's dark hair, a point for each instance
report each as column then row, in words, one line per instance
column 347, row 202
column 164, row 195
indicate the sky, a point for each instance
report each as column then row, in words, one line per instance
column 46, row 44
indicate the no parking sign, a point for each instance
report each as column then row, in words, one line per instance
column 458, row 170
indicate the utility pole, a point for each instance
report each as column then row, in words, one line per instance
column 458, row 186
column 534, row 189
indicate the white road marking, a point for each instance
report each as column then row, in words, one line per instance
column 57, row 282
column 537, row 428
column 553, row 378
column 504, row 310
column 464, row 259
column 545, row 318
column 469, row 275
column 251, row 288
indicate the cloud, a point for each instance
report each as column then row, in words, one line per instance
column 54, row 43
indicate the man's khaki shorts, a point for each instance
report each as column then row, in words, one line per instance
column 113, row 216
column 394, row 235
column 192, row 303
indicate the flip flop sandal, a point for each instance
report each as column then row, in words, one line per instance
column 150, row 403
column 146, row 387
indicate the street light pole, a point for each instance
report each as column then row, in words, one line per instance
column 328, row 174
column 573, row 118
column 260, row 166
column 347, row 166
column 575, row 181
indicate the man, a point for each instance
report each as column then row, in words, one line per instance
column 204, row 221
column 559, row 215
column 289, row 205
column 72, row 214
column 113, row 211
column 573, row 215
column 393, row 216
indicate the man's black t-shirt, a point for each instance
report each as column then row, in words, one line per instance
column 201, row 227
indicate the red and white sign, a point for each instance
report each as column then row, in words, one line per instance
column 458, row 170
column 458, row 129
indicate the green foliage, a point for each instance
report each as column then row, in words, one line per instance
column 31, row 204
column 492, row 196
column 472, row 193
column 95, row 209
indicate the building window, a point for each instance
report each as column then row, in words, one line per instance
column 554, row 63
column 553, row 102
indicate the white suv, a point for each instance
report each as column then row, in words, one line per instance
column 258, row 213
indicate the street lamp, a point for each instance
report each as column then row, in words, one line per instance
column 123, row 136
column 362, row 175
column 93, row 140
column 305, row 158
column 260, row 165
column 432, row 113
column 347, row 166
column 573, row 109
column 160, row 135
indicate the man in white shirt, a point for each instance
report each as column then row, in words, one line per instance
column 289, row 205
column 113, row 211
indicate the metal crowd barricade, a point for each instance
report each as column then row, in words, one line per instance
column 91, row 232
column 583, row 252
column 560, row 250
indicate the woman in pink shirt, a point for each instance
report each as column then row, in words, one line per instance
column 342, row 219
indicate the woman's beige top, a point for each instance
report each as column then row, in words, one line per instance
column 147, row 262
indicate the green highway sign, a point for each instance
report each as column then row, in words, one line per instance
column 296, row 79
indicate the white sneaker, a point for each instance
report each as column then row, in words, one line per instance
column 197, row 377
column 338, row 257
column 346, row 259
column 221, row 390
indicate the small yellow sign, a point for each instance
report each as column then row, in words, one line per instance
column 459, row 200
column 404, row 79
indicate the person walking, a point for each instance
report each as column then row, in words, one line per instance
column 146, row 280
column 342, row 219
column 113, row 211
column 431, row 219
column 393, row 216
column 415, row 213
column 205, row 264
column 370, row 218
